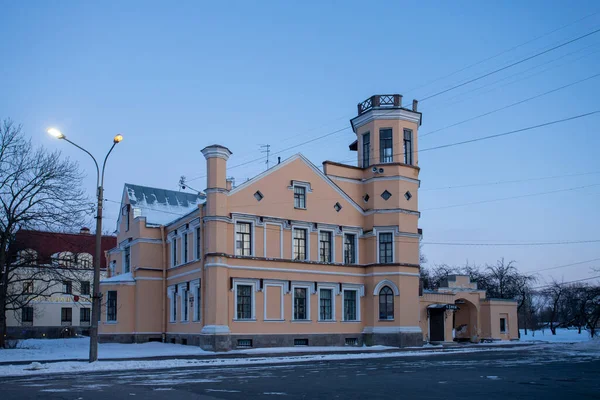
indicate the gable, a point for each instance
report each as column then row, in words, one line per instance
column 278, row 201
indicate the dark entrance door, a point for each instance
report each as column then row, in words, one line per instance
column 436, row 325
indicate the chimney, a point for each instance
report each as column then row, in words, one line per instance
column 278, row 160
column 415, row 103
column 84, row 231
column 230, row 182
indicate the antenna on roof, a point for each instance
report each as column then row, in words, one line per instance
column 266, row 148
column 183, row 185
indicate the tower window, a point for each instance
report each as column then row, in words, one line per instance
column 386, row 195
column 366, row 198
column 408, row 147
column 408, row 195
column 385, row 146
column 243, row 239
column 386, row 252
column 366, row 149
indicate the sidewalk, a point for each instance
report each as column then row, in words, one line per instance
column 268, row 353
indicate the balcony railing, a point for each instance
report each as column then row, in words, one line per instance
column 383, row 101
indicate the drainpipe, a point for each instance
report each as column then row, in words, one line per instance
column 164, row 284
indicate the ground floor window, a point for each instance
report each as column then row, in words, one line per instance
column 66, row 315
column 111, row 306
column 350, row 305
column 386, row 303
column 85, row 315
column 244, row 301
column 300, row 304
column 27, row 314
column 325, row 304
column 198, row 304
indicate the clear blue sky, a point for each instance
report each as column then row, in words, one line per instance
column 173, row 77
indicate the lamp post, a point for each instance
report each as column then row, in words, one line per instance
column 96, row 295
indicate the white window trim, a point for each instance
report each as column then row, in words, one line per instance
column 281, row 285
column 360, row 292
column 194, row 286
column 172, row 254
column 197, row 252
column 335, row 290
column 171, row 293
column 307, row 190
column 181, row 290
column 392, row 231
column 245, row 282
column 309, row 290
column 252, row 223
column 332, row 244
column 356, row 234
column 183, row 234
column 307, row 229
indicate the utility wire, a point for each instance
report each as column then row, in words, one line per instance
column 510, row 198
column 505, row 182
column 566, row 283
column 503, row 52
column 509, row 65
column 563, row 266
column 510, row 105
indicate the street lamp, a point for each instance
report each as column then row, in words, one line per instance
column 100, row 194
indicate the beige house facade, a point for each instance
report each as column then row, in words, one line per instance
column 296, row 256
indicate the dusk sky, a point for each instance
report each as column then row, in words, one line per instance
column 173, row 77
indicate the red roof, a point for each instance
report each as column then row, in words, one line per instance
column 48, row 243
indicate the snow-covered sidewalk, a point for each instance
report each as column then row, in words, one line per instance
column 563, row 335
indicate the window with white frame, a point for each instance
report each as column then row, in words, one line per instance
column 299, row 250
column 244, row 297
column 185, row 297
column 198, row 243
column 408, row 147
column 301, row 303
column 174, row 251
column 349, row 248
column 299, row 196
column 325, row 247
column 386, row 304
column 366, row 150
column 243, row 239
column 386, row 154
column 185, row 247
column 172, row 291
column 386, row 247
column 350, row 305
column 127, row 259
column 326, row 304
column 196, row 293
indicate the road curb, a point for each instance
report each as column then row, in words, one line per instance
column 430, row 349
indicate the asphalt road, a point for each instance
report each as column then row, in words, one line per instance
column 538, row 372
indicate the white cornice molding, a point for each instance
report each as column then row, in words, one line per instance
column 383, row 114
column 216, row 151
column 392, row 329
column 375, row 178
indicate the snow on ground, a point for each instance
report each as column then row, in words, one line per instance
column 80, row 366
column 78, row 348
column 563, row 335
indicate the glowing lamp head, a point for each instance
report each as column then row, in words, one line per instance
column 118, row 138
column 55, row 133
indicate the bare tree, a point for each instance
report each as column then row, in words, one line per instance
column 38, row 190
column 554, row 294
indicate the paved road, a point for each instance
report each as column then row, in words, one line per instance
column 539, row 372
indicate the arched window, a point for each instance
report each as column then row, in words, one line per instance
column 386, row 303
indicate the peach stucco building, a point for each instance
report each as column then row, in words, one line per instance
column 294, row 256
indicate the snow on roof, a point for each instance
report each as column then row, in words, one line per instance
column 162, row 206
column 128, row 277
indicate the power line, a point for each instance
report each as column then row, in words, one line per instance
column 504, row 52
column 510, row 198
column 505, row 182
column 509, row 106
column 509, row 65
column 493, row 136
column 565, row 265
column 566, row 283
